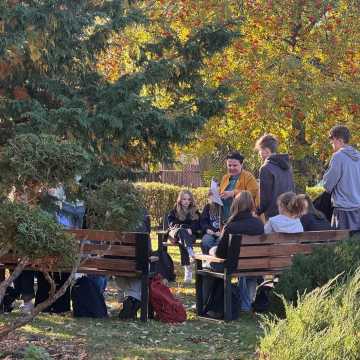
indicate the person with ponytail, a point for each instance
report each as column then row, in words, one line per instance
column 184, row 224
column 291, row 208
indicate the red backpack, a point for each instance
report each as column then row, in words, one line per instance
column 167, row 308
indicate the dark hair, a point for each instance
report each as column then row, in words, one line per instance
column 311, row 208
column 292, row 203
column 340, row 132
column 235, row 155
column 267, row 141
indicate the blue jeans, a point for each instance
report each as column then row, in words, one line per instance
column 207, row 242
column 247, row 290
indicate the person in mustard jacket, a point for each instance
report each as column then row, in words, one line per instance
column 236, row 180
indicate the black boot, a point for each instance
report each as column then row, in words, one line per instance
column 130, row 308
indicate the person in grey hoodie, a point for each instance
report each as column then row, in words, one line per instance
column 291, row 207
column 342, row 180
column 275, row 175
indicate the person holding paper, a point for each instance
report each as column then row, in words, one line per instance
column 236, row 180
column 210, row 222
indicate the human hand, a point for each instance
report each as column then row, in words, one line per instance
column 227, row 194
column 209, row 232
column 189, row 231
column 218, row 233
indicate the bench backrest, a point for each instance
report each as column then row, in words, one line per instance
column 272, row 253
column 109, row 252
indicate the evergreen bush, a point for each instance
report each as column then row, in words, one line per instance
column 325, row 324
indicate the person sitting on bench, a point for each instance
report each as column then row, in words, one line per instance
column 291, row 208
column 184, row 223
column 210, row 222
column 241, row 221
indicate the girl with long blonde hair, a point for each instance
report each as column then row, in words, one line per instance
column 184, row 224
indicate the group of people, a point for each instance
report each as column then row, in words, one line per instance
column 253, row 208
column 247, row 207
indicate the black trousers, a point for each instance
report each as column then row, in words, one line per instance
column 24, row 284
column 185, row 240
column 60, row 305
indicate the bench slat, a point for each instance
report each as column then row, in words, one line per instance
column 104, row 249
column 100, row 235
column 308, row 236
column 110, row 264
column 274, row 250
column 264, row 263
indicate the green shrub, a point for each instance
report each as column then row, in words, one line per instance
column 324, row 325
column 34, row 233
column 160, row 198
column 314, row 191
column 114, row 205
column 31, row 159
column 311, row 271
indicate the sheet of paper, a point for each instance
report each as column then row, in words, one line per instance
column 214, row 187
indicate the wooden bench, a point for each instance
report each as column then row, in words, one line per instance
column 260, row 255
column 111, row 253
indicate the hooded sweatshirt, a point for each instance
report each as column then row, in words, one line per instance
column 283, row 224
column 342, row 179
column 276, row 178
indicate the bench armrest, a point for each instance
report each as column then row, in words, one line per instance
column 153, row 258
column 209, row 258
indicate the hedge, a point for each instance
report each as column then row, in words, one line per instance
column 160, row 198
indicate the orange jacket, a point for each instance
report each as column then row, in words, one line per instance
column 246, row 181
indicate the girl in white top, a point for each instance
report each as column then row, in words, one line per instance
column 291, row 208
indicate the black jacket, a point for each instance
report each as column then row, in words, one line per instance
column 244, row 223
column 209, row 222
column 276, row 178
column 310, row 222
column 188, row 223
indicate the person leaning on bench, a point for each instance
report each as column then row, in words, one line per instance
column 241, row 221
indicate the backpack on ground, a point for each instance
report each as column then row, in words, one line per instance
column 261, row 303
column 215, row 299
column 164, row 266
column 167, row 308
column 87, row 300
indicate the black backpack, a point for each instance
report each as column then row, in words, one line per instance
column 165, row 265
column 261, row 303
column 215, row 299
column 87, row 301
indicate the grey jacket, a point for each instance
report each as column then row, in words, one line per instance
column 342, row 179
column 283, row 224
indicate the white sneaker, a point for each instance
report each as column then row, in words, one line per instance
column 27, row 307
column 188, row 274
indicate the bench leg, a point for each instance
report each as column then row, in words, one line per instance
column 144, row 297
column 199, row 289
column 227, row 297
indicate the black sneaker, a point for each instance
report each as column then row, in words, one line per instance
column 130, row 308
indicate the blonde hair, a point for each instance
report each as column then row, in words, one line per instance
column 292, row 203
column 243, row 202
column 182, row 213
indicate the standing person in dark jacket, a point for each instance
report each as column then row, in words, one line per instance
column 210, row 221
column 241, row 221
column 313, row 219
column 275, row 175
column 184, row 224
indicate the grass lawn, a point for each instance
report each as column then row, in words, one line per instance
column 64, row 337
